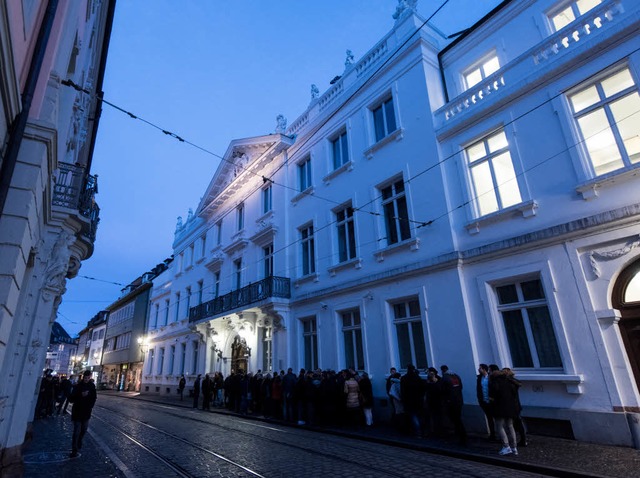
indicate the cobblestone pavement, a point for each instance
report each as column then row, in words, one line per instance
column 274, row 449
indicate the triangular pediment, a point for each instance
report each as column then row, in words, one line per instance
column 243, row 162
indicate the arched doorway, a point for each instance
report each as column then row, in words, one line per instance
column 240, row 354
column 626, row 298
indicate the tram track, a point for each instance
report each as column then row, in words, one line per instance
column 352, row 450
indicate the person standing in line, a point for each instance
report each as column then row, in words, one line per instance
column 207, row 389
column 65, row 387
column 196, row 391
column 83, row 398
column 181, row 385
column 352, row 400
column 366, row 398
column 482, row 392
column 503, row 393
column 453, row 401
column 412, row 390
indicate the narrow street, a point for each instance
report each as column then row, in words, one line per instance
column 144, row 439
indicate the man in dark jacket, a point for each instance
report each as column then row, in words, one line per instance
column 412, row 390
column 196, row 391
column 83, row 398
column 453, row 401
column 207, row 390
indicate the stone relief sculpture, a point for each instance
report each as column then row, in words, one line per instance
column 404, row 8
column 58, row 264
column 190, row 215
column 594, row 256
column 349, row 60
column 281, row 124
column 315, row 92
column 33, row 353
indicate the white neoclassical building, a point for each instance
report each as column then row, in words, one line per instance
column 445, row 201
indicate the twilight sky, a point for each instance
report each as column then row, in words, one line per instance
column 209, row 71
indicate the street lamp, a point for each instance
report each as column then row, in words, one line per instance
column 143, row 343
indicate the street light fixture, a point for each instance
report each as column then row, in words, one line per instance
column 143, row 343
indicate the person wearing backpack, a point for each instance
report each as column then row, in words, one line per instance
column 453, row 401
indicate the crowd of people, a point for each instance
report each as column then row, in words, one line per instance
column 422, row 407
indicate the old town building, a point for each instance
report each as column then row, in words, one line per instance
column 445, row 201
column 48, row 214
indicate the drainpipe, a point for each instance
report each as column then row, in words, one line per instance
column 20, row 122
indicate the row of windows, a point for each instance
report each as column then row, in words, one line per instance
column 172, row 360
column 526, row 325
column 181, row 305
column 119, row 342
column 98, row 334
column 121, row 314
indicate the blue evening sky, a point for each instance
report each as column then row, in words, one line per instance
column 210, row 71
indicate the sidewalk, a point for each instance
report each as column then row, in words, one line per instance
column 47, row 455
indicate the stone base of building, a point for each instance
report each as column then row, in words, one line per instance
column 11, row 464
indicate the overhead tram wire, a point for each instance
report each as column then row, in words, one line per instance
column 73, row 85
column 408, row 180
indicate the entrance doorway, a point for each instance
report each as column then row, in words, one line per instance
column 626, row 298
column 240, row 354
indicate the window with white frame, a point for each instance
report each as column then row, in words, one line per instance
column 345, row 229
column 152, row 353
column 409, row 333
column 156, row 316
column 340, row 150
column 267, row 349
column 307, row 247
column 479, row 71
column 352, row 334
column 183, row 355
column 384, row 119
column 160, row 360
column 396, row 214
column 528, row 325
column 188, row 304
column 216, row 283
column 191, row 254
column 304, row 175
column 219, row 232
column 266, row 198
column 194, row 357
column 568, row 12
column 203, row 246
column 166, row 312
column 267, row 257
column 237, row 271
column 177, row 316
column 310, row 339
column 200, row 290
column 172, row 357
column 607, row 112
column 492, row 173
column 240, row 217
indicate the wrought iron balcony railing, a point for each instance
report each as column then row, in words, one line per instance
column 76, row 190
column 270, row 287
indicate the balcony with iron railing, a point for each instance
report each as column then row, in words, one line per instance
column 268, row 288
column 75, row 189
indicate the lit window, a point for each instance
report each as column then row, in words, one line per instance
column 352, row 334
column 346, row 234
column 304, row 175
column 396, row 215
column 481, row 71
column 267, row 349
column 307, row 244
column 492, row 173
column 408, row 322
column 384, row 119
column 339, row 148
column 570, row 12
column 528, row 326
column 607, row 115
